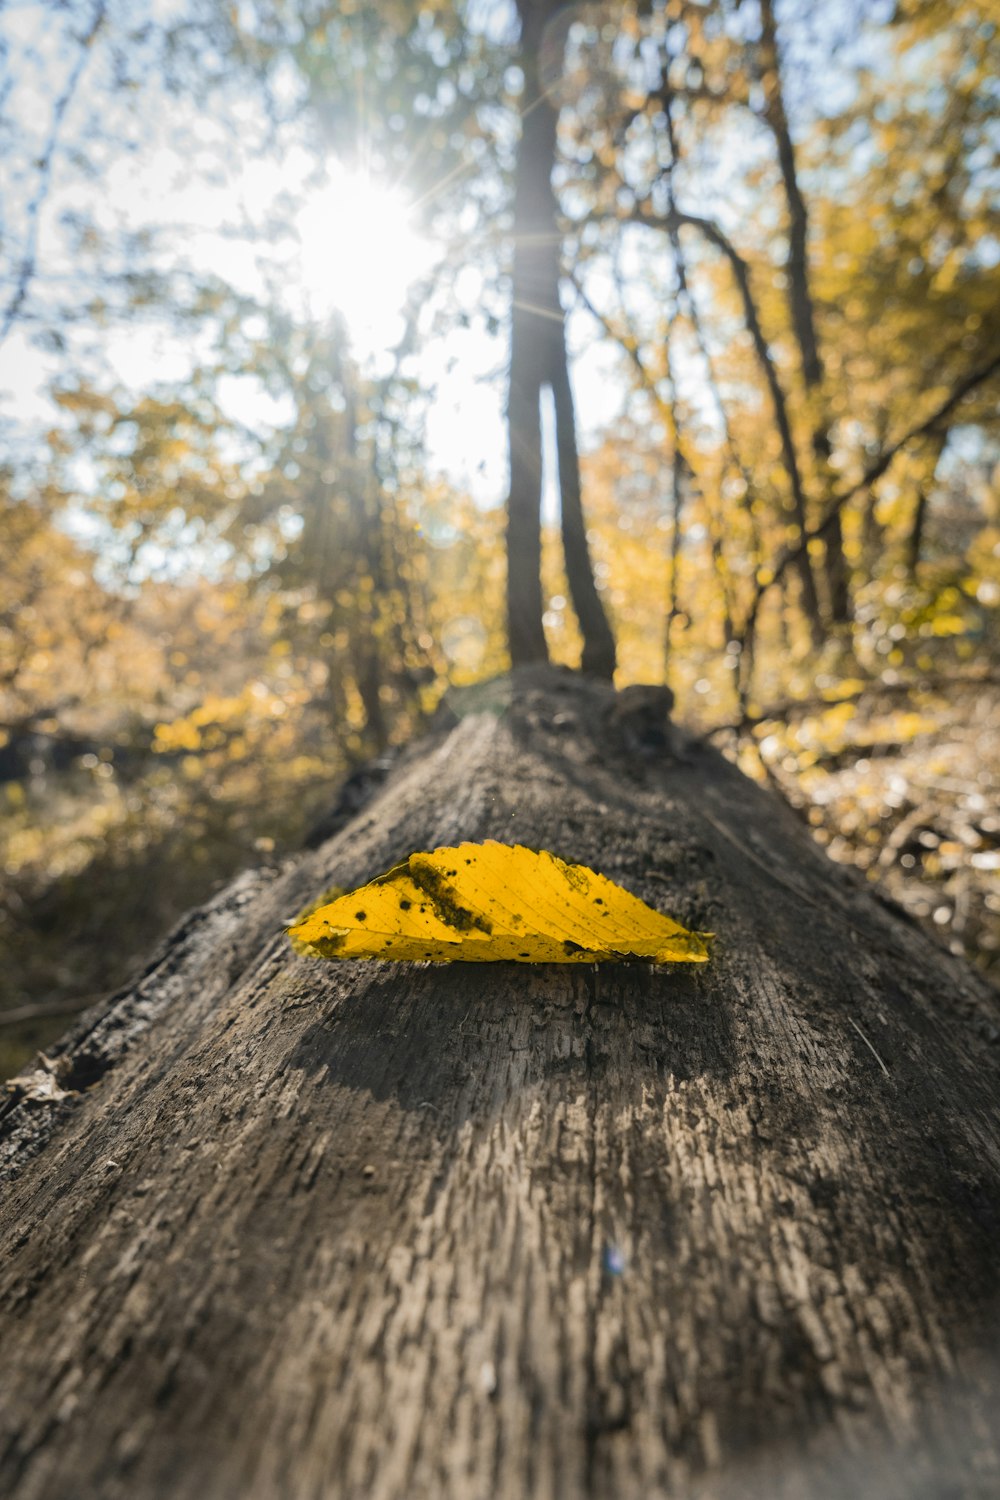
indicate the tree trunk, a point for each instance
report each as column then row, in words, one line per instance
column 802, row 312
column 525, row 608
column 538, row 359
column 598, row 656
column 915, row 536
column 352, row 1230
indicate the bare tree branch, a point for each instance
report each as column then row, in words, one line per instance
column 18, row 1013
column 792, row 708
column 741, row 274
column 791, row 555
column 29, row 259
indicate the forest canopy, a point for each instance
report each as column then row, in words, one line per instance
column 309, row 311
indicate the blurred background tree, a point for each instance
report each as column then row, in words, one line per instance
column 271, row 275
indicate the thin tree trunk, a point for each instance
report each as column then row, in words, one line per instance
column 914, row 541
column 598, row 642
column 686, row 295
column 504, row 1231
column 915, row 537
column 368, row 665
column 535, row 249
column 797, row 263
column 680, row 472
column 666, row 408
column 538, row 358
column 368, row 672
column 525, row 633
column 802, row 310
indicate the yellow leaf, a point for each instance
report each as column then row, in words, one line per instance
column 481, row 902
column 948, row 625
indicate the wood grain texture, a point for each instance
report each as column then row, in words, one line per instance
column 468, row 1232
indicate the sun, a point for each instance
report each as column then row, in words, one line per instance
column 359, row 254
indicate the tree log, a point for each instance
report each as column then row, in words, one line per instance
column 352, row 1230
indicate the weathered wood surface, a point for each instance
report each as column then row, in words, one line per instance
column 476, row 1232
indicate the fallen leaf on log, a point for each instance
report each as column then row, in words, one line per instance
column 479, row 903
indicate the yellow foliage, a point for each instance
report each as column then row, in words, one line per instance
column 479, row 903
column 947, row 625
column 181, row 735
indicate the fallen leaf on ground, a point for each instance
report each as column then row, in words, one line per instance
column 38, row 1087
column 479, row 903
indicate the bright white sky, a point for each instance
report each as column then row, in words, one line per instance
column 351, row 246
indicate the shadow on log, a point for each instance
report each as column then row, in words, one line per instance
column 488, row 1231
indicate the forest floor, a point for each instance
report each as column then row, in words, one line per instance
column 908, row 791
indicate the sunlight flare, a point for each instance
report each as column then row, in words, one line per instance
column 360, row 254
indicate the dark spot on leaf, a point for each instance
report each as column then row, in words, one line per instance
column 328, row 947
column 359, row 916
column 442, row 897
column 598, row 900
column 570, row 947
column 405, row 905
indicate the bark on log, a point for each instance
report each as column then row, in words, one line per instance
column 344, row 1231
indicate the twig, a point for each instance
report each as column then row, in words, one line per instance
column 868, row 1044
column 44, row 1008
column 793, row 706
